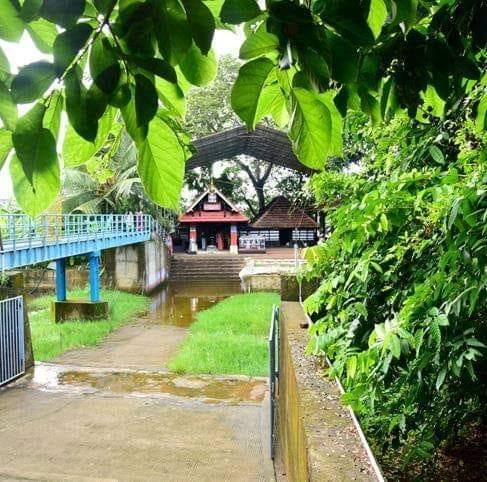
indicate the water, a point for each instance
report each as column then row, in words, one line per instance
column 178, row 303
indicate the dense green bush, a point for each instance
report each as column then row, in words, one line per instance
column 401, row 307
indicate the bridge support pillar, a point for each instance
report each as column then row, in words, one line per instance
column 94, row 261
column 61, row 279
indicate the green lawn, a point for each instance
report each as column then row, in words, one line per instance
column 229, row 338
column 50, row 339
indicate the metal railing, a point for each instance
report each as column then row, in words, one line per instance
column 12, row 356
column 273, row 375
column 19, row 231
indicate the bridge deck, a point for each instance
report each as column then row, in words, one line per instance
column 26, row 241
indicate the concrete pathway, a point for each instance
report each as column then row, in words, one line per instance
column 112, row 413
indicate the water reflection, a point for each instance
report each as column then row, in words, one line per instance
column 178, row 303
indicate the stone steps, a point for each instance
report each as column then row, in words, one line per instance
column 205, row 268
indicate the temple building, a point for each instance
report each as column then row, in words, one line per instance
column 212, row 223
column 282, row 224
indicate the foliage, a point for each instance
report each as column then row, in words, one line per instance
column 401, row 308
column 229, row 338
column 307, row 63
column 50, row 339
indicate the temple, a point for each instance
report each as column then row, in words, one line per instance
column 212, row 223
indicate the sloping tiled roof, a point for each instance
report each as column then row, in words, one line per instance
column 279, row 213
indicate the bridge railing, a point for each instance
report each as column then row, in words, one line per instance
column 19, row 231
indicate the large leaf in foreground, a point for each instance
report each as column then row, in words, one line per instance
column 250, row 99
column 201, row 23
column 199, row 69
column 172, row 30
column 34, row 169
column 11, row 25
column 5, row 145
column 239, row 11
column 311, row 128
column 34, row 199
column 32, row 81
column 77, row 150
column 8, row 109
column 161, row 164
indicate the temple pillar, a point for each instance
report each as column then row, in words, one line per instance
column 193, row 243
column 233, row 239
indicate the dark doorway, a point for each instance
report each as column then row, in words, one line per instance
column 285, row 236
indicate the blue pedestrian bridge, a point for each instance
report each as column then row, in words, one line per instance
column 54, row 237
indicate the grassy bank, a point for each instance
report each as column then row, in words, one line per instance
column 50, row 339
column 229, row 338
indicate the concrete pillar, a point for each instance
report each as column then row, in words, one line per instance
column 61, row 279
column 94, row 261
column 193, row 243
column 233, row 239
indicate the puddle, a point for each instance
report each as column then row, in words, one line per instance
column 178, row 303
column 206, row 388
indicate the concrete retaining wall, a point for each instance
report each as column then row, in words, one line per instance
column 317, row 438
column 137, row 268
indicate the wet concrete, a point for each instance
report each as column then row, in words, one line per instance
column 114, row 413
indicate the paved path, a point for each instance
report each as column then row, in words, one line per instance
column 111, row 413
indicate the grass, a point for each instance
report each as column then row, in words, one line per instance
column 230, row 338
column 50, row 339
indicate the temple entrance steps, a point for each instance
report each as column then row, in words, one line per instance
column 212, row 266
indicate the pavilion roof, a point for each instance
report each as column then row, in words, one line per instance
column 263, row 143
column 281, row 214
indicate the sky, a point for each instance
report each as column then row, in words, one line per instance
column 25, row 52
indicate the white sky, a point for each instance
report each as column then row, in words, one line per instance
column 25, row 52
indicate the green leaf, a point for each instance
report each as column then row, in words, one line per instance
column 159, row 67
column 146, row 100
column 30, row 10
column 5, row 145
column 436, row 154
column 344, row 64
column 370, row 105
column 77, row 151
column 34, row 169
column 239, row 11
column 43, row 34
column 311, row 129
column 249, row 98
column 201, row 23
column 377, row 16
column 199, row 69
column 348, row 20
column 8, row 108
column 103, row 6
column 433, row 102
column 32, row 81
column 259, row 43
column 171, row 96
column 161, row 165
column 104, row 66
column 172, row 30
column 406, row 13
column 440, row 378
column 395, row 345
column 34, row 199
column 481, row 120
column 11, row 25
column 63, row 12
column 4, row 63
column 336, row 141
column 121, row 96
column 137, row 133
column 52, row 117
column 68, row 44
column 79, row 116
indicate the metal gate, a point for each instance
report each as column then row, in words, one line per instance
column 12, row 359
column 273, row 374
